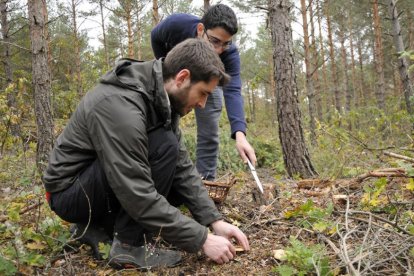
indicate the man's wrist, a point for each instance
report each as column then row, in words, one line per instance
column 211, row 226
column 239, row 134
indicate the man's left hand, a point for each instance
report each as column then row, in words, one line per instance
column 245, row 150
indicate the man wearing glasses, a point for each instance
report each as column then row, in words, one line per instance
column 218, row 25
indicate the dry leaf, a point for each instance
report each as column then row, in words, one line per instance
column 92, row 264
column 35, row 246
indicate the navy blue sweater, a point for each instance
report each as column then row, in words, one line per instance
column 178, row 27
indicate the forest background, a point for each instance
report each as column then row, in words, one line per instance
column 342, row 107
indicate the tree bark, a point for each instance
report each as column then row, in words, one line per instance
column 410, row 23
column 315, row 64
column 322, row 50
column 337, row 96
column 155, row 14
column 126, row 13
column 37, row 13
column 348, row 96
column 295, row 153
column 105, row 45
column 76, row 44
column 206, row 5
column 8, row 70
column 362, row 96
column 310, row 91
column 351, row 49
column 402, row 61
column 379, row 58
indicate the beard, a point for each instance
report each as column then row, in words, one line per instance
column 179, row 101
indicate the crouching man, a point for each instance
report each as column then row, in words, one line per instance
column 119, row 167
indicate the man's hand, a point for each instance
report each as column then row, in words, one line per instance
column 245, row 150
column 219, row 249
column 230, row 231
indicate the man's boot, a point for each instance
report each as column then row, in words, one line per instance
column 92, row 237
column 142, row 257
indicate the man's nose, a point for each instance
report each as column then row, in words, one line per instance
column 202, row 103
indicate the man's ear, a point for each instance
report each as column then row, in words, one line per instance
column 200, row 30
column 182, row 76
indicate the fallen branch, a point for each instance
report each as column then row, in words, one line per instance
column 398, row 156
column 313, row 183
column 385, row 172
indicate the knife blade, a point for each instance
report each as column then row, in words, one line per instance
column 256, row 178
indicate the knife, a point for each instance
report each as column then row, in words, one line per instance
column 253, row 170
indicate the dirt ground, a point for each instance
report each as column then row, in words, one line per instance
column 362, row 243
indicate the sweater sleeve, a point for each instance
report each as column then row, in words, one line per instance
column 232, row 91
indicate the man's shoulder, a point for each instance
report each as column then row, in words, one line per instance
column 180, row 23
column 181, row 18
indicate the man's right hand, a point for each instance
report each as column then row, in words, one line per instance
column 219, row 249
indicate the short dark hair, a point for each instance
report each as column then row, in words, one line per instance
column 199, row 57
column 220, row 16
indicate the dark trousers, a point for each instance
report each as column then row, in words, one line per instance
column 90, row 198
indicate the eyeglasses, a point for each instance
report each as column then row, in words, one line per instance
column 217, row 42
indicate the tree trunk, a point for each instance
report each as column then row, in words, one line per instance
column 155, row 14
column 310, row 92
column 348, row 95
column 253, row 106
column 295, row 153
column 337, row 96
column 379, row 58
column 402, row 62
column 139, row 26
column 37, row 13
column 351, row 48
column 76, row 44
column 108, row 65
column 206, row 5
column 410, row 23
column 322, row 52
column 315, row 65
column 130, row 32
column 362, row 96
column 8, row 70
column 249, row 100
column 126, row 14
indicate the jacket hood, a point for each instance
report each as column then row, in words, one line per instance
column 133, row 74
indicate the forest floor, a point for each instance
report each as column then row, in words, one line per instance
column 337, row 236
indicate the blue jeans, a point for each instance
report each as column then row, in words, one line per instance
column 208, row 135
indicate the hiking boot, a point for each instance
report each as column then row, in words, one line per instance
column 92, row 237
column 143, row 257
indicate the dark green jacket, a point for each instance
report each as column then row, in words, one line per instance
column 111, row 124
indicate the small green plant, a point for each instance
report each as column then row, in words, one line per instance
column 304, row 260
column 7, row 267
column 104, row 249
column 313, row 217
column 373, row 197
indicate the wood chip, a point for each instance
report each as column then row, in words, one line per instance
column 239, row 248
